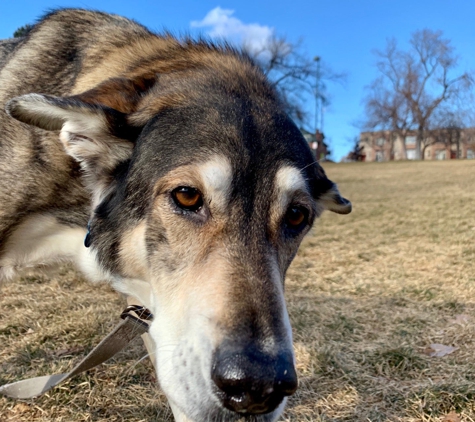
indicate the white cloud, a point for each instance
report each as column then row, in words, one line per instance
column 222, row 24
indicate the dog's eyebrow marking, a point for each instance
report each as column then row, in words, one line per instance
column 216, row 175
column 288, row 179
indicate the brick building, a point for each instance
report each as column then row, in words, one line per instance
column 440, row 144
column 317, row 144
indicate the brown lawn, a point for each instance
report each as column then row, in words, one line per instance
column 368, row 294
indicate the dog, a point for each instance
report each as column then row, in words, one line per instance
column 168, row 168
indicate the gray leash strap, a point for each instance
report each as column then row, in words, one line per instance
column 124, row 333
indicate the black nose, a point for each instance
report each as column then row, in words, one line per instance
column 252, row 382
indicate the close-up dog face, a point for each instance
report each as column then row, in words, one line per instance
column 200, row 222
column 202, row 189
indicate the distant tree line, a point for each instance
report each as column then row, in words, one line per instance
column 419, row 91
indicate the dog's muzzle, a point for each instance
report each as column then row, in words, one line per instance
column 250, row 381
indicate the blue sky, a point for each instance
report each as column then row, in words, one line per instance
column 343, row 32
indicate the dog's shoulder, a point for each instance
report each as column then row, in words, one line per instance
column 83, row 31
column 82, row 21
column 63, row 45
column 7, row 48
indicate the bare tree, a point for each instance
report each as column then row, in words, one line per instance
column 294, row 74
column 445, row 129
column 415, row 84
column 387, row 111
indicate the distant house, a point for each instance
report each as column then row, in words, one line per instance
column 438, row 144
column 317, row 144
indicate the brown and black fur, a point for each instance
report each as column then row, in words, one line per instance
column 160, row 108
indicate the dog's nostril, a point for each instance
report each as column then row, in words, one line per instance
column 287, row 380
column 253, row 383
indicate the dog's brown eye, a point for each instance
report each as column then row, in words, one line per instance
column 187, row 198
column 296, row 217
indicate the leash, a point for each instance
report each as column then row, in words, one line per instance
column 135, row 322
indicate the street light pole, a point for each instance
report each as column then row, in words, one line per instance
column 317, row 93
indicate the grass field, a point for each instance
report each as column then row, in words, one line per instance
column 368, row 294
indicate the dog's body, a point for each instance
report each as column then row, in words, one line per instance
column 197, row 188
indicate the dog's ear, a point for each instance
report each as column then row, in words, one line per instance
column 121, row 94
column 326, row 192
column 93, row 124
column 97, row 136
column 333, row 201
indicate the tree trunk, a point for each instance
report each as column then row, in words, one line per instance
column 423, row 153
column 402, row 138
column 419, row 137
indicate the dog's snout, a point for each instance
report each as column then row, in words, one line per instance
column 251, row 382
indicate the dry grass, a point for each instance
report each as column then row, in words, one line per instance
column 368, row 293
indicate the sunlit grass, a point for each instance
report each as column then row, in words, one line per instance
column 368, row 293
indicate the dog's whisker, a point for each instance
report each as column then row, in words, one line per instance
column 311, row 164
column 148, row 355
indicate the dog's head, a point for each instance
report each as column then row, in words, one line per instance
column 202, row 190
